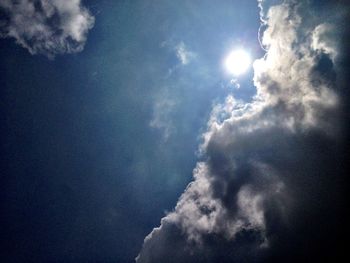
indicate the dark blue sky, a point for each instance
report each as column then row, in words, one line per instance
column 85, row 176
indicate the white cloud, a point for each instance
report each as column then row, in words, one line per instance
column 161, row 117
column 324, row 39
column 255, row 152
column 48, row 27
column 183, row 54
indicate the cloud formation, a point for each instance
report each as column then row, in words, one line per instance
column 270, row 166
column 48, row 27
column 161, row 117
column 183, row 54
column 165, row 102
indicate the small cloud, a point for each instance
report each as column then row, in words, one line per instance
column 183, row 54
column 46, row 27
column 161, row 120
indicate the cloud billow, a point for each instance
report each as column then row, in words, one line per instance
column 271, row 167
column 48, row 27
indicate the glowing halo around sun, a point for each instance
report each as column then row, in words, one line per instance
column 237, row 62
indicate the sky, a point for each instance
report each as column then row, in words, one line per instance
column 125, row 139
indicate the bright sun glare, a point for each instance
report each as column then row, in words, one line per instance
column 237, row 62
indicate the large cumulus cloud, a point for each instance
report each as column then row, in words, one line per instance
column 48, row 27
column 269, row 185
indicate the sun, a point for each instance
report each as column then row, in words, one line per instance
column 237, row 62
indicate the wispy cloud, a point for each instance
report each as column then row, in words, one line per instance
column 161, row 117
column 262, row 163
column 183, row 54
column 165, row 102
column 48, row 27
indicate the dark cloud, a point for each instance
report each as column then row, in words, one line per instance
column 270, row 187
column 48, row 27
